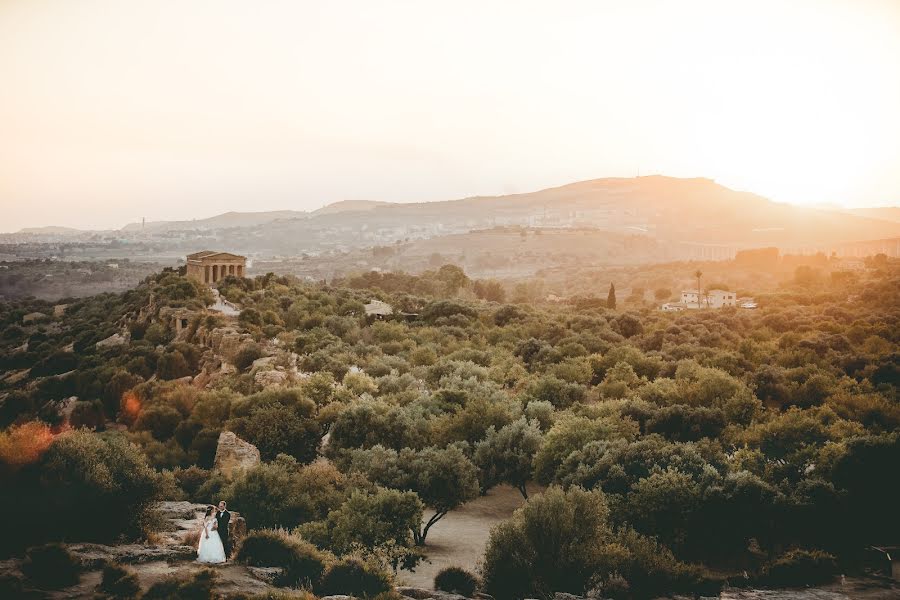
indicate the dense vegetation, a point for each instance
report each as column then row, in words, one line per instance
column 672, row 446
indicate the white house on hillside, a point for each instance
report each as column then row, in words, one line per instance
column 710, row 299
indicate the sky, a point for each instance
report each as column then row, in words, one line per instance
column 113, row 110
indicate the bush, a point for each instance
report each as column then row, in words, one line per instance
column 191, row 480
column 107, row 479
column 246, row 355
column 302, row 562
column 456, row 580
column 354, row 577
column 183, row 586
column 615, row 587
column 119, row 582
column 801, row 567
column 51, row 566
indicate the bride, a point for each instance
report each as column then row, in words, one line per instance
column 210, row 549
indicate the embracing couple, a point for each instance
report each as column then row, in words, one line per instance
column 215, row 546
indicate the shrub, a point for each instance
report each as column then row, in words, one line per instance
column 801, row 567
column 456, row 580
column 284, row 494
column 302, row 562
column 104, row 476
column 183, row 586
column 119, row 582
column 354, row 577
column 615, row 587
column 51, row 566
column 191, row 480
column 246, row 355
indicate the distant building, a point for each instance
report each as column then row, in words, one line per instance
column 720, row 298
column 710, row 299
column 210, row 266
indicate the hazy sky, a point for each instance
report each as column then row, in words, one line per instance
column 114, row 110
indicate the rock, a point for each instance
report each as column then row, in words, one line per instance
column 566, row 596
column 116, row 339
column 94, row 556
column 338, row 597
column 417, row 593
column 266, row 574
column 270, row 378
column 234, row 455
column 177, row 510
column 439, row 595
column 264, row 362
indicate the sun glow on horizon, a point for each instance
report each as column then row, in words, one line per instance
column 179, row 110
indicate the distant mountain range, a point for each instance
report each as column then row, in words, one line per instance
column 670, row 211
column 886, row 213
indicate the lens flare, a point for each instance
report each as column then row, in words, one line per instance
column 25, row 444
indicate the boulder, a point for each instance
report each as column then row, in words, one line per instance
column 566, row 596
column 234, row 455
column 416, row 593
column 116, row 339
column 266, row 574
column 439, row 595
column 270, row 378
column 94, row 556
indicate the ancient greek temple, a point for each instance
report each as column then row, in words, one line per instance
column 210, row 266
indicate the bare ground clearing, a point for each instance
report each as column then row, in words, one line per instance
column 460, row 537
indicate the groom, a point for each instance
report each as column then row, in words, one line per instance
column 222, row 518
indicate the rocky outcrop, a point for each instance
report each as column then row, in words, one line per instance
column 96, row 555
column 226, row 341
column 234, row 455
column 116, row 339
column 270, row 378
column 266, row 574
column 414, row 593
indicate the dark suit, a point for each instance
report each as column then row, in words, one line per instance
column 223, row 518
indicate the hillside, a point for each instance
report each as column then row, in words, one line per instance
column 885, row 213
column 347, row 206
column 223, row 221
column 675, row 219
column 677, row 437
column 669, row 209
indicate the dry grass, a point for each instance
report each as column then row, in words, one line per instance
column 192, row 538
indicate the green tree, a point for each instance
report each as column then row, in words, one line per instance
column 285, row 494
column 611, row 297
column 507, row 455
column 380, row 522
column 444, row 478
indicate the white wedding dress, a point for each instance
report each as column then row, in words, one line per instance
column 210, row 549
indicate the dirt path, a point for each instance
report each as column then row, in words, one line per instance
column 460, row 537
